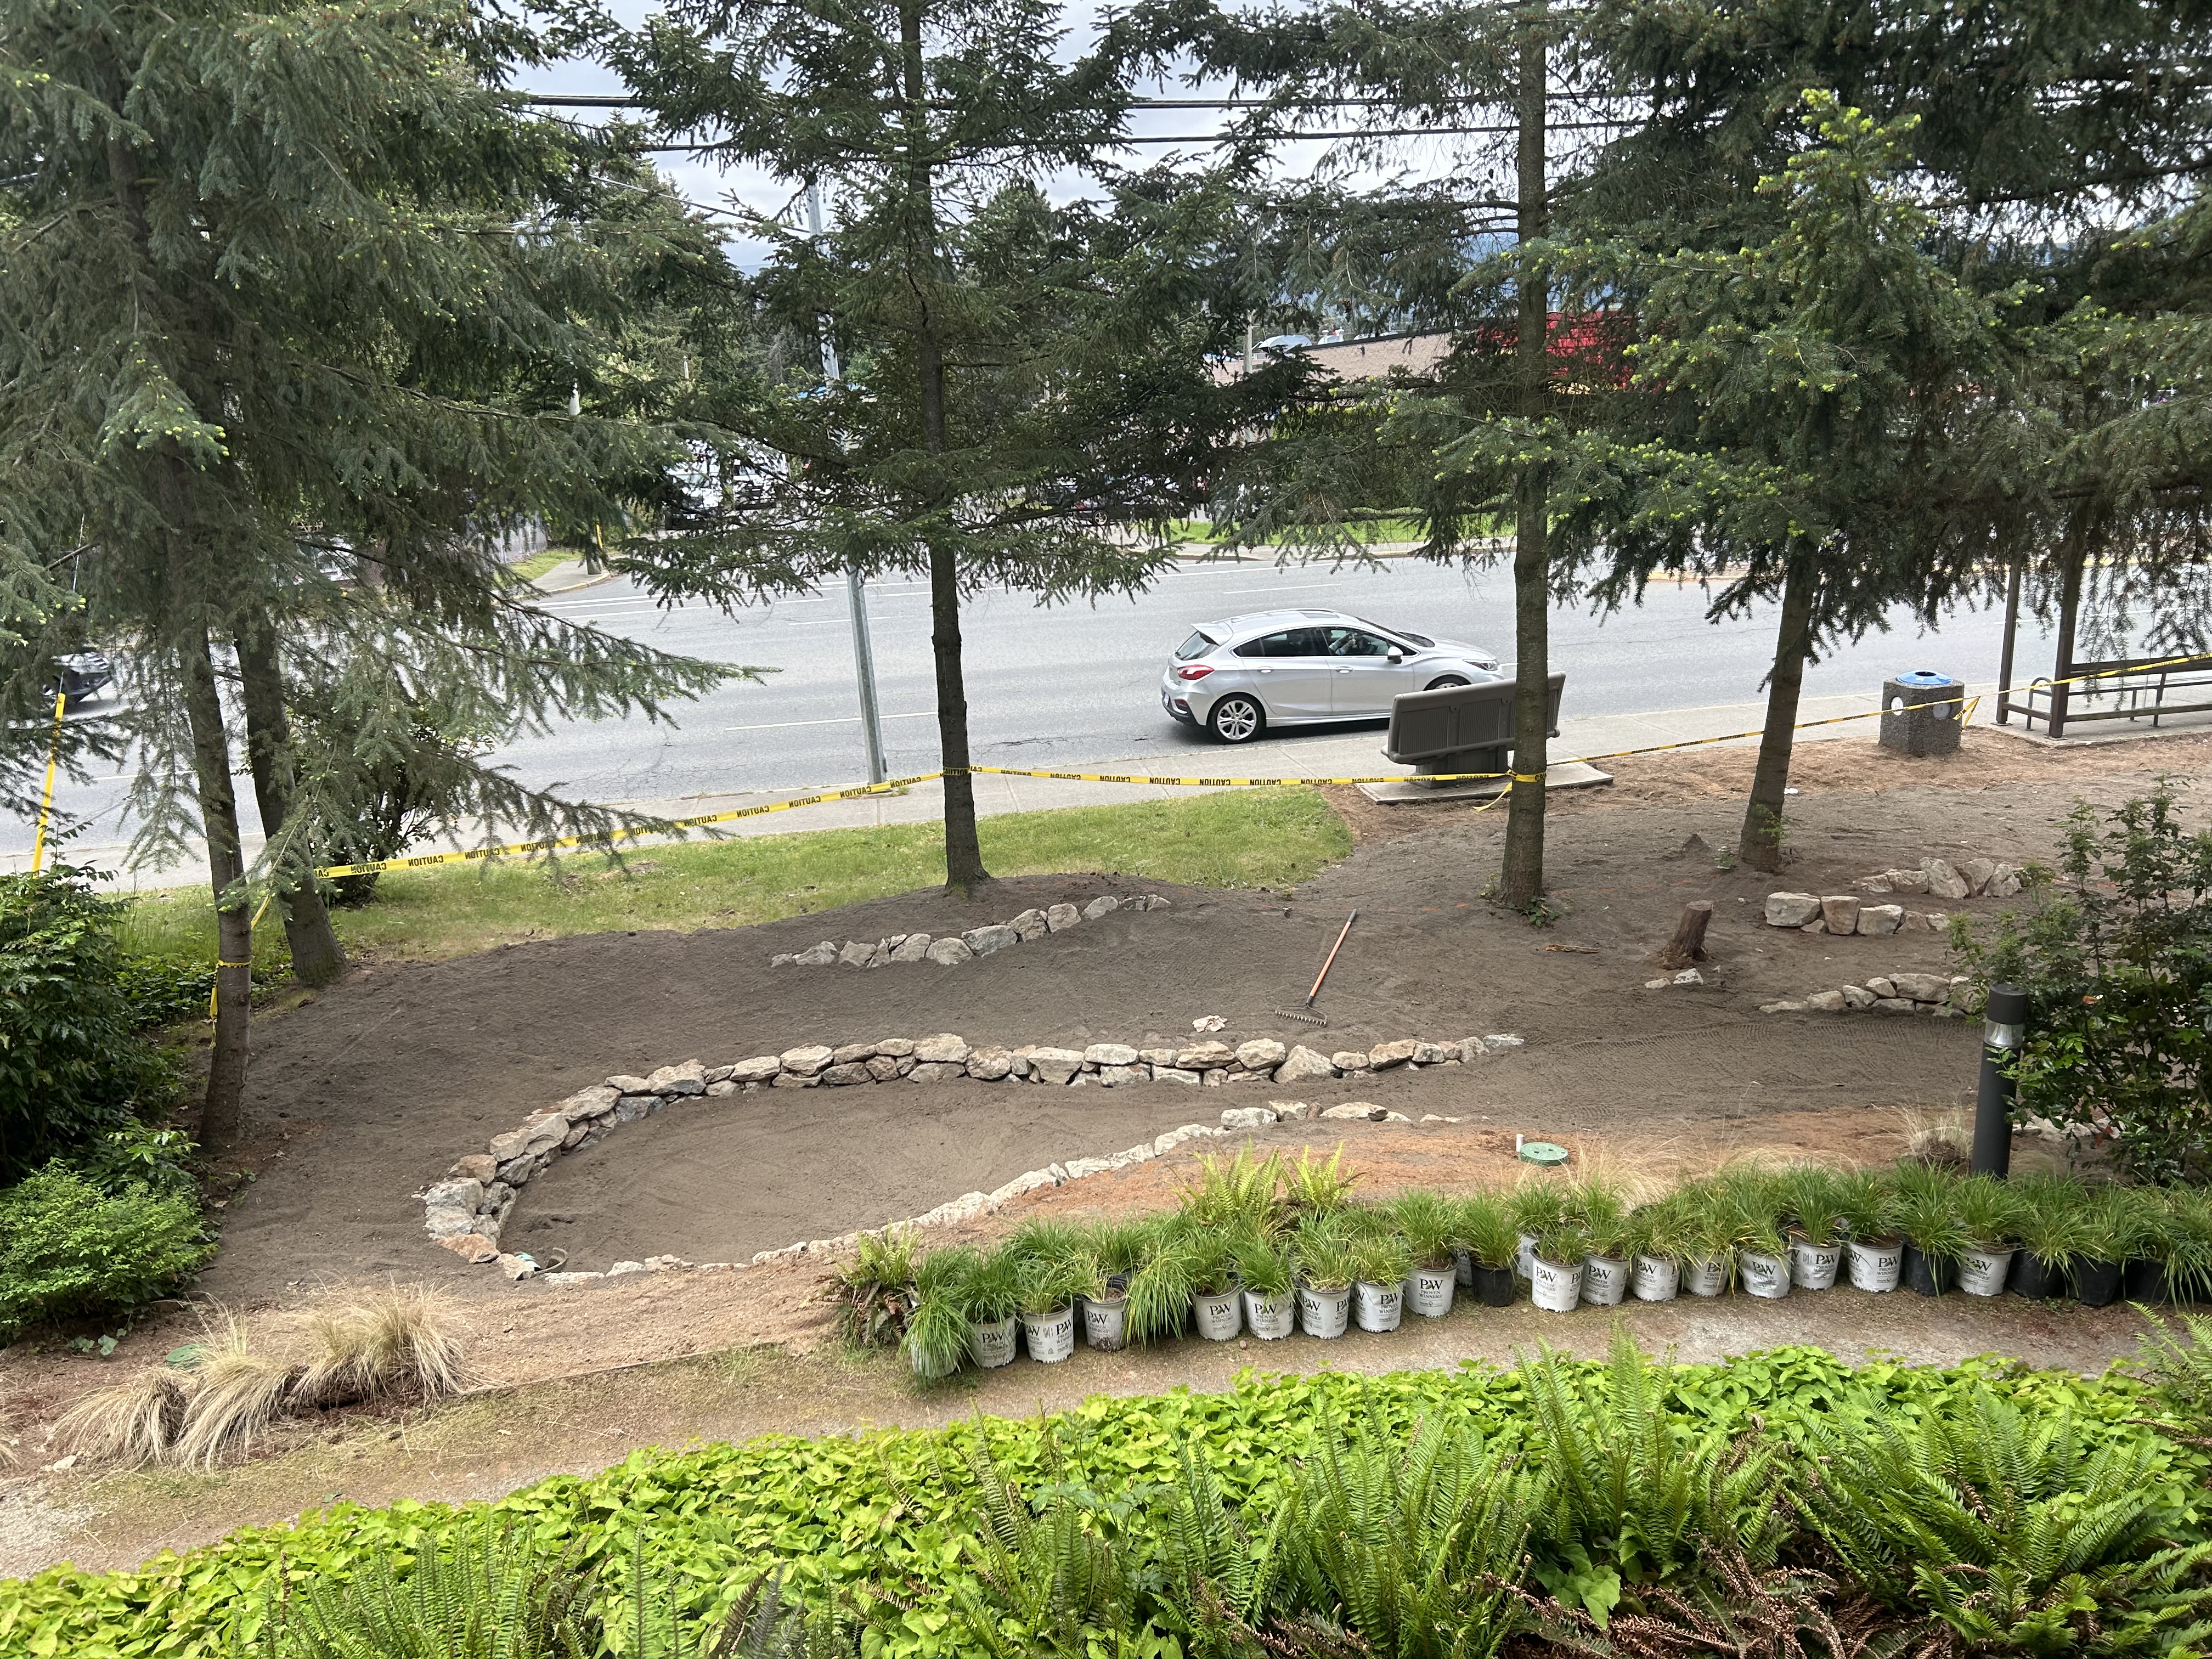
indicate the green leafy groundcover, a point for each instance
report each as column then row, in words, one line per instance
column 886, row 1512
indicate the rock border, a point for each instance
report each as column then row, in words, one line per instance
column 1940, row 995
column 465, row 1211
column 956, row 948
column 1846, row 912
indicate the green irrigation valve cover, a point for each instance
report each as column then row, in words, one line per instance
column 1542, row 1152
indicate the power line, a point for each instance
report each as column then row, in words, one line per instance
column 1218, row 138
column 597, row 100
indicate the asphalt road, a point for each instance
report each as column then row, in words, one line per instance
column 1074, row 684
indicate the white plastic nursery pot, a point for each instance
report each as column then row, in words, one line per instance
column 1271, row 1317
column 1524, row 1256
column 1218, row 1318
column 1324, row 1313
column 991, row 1342
column 1983, row 1271
column 1106, row 1324
column 1813, row 1266
column 1762, row 1274
column 1378, row 1307
column 1655, row 1278
column 1555, row 1287
column 1050, row 1336
column 1605, row 1280
column 1706, row 1276
column 1874, row 1264
column 1429, row 1291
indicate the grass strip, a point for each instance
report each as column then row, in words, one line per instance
column 1274, row 837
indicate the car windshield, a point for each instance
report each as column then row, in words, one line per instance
column 1196, row 645
column 1406, row 634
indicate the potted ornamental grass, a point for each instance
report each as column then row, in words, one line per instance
column 1556, row 1260
column 937, row 1330
column 1923, row 1209
column 1380, row 1262
column 1708, row 1237
column 1539, row 1206
column 1321, row 1255
column 1602, row 1212
column 1427, row 1222
column 2188, row 1225
column 1489, row 1244
column 1207, row 1258
column 990, row 1297
column 1873, row 1252
column 2052, row 1229
column 1989, row 1212
column 1103, row 1303
column 1762, row 1255
column 1269, row 1284
column 1657, row 1237
column 1157, row 1300
column 1816, row 1230
column 1048, row 1290
column 2110, row 1228
column 2150, row 1245
column 1314, row 1188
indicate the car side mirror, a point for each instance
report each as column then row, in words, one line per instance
column 1397, row 656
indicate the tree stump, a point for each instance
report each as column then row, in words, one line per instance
column 1688, row 945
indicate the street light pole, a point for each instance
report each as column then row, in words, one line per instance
column 2003, row 1030
column 856, row 588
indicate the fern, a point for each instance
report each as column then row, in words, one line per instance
column 2180, row 1366
column 2008, row 1532
column 1219, row 1582
column 1633, row 1498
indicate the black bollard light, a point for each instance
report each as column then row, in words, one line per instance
column 2004, row 1025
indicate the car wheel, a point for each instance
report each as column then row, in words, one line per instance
column 1443, row 681
column 1237, row 720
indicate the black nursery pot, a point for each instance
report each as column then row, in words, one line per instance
column 1494, row 1286
column 1925, row 1277
column 2035, row 1279
column 2096, row 1284
column 2145, row 1280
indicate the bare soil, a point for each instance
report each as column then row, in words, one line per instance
column 367, row 1092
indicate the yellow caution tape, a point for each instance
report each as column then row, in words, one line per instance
column 1223, row 783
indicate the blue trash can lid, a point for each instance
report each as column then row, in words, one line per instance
column 1925, row 677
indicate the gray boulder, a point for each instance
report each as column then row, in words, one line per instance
column 942, row 1049
column 1260, row 1055
column 1110, row 1054
column 913, row 948
column 1790, row 909
column 817, row 956
column 1841, row 911
column 949, row 952
column 995, row 937
column 1099, row 907
column 1054, row 1065
column 1383, row 1055
column 809, row 1060
column 1030, row 925
column 1880, row 920
column 1301, row 1063
column 1944, row 881
column 759, row 1069
column 1061, row 917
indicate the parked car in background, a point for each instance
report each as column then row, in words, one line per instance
column 1239, row 677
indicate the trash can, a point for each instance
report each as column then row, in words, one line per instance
column 1921, row 713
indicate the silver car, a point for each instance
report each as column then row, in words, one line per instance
column 1240, row 677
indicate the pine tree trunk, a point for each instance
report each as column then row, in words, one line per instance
column 963, row 851
column 317, row 956
column 233, row 974
column 1520, row 882
column 1793, row 641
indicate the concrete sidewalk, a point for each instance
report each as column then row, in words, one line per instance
column 1339, row 754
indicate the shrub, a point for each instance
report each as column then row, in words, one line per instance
column 2118, row 969
column 71, row 1060
column 68, row 1249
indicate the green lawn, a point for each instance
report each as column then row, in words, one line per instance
column 1236, row 838
column 537, row 564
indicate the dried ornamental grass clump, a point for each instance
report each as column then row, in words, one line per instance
column 403, row 1341
column 136, row 1421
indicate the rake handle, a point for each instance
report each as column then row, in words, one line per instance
column 1331, row 963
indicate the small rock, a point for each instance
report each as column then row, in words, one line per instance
column 1907, row 881
column 883, row 1068
column 781, row 959
column 1247, row 1117
column 1028, row 1183
column 1349, row 1059
column 995, row 937
column 476, row 1166
column 897, row 1047
column 797, row 1080
column 474, row 1249
column 1944, row 881
column 1054, row 1065
column 1260, row 1055
column 1300, row 1063
column 846, row 1053
column 949, row 952
column 623, row 1083
column 1916, row 922
column 629, row 1108
column 1099, row 907
column 1858, row 996
column 582, row 1132
column 1881, row 987
column 1427, row 1118
column 1077, row 1168
column 1110, row 1054
column 807, row 1060
column 1880, row 920
column 989, row 1065
column 621, row 1267
column 1783, row 1007
column 1355, row 1109
column 1841, row 911
column 1030, row 925
column 1874, row 883
column 1688, row 976
column 1978, row 873
column 1208, row 1023
column 914, row 947
column 1656, row 984
column 1289, row 1110
column 817, row 956
column 1177, row 1074
column 1825, row 1002
column 1397, row 1052
column 1156, row 1057
column 1896, row 1006
column 1472, row 1049
column 936, row 1071
column 567, row 1278
column 541, row 1136
column 717, row 1091
column 1815, row 925
column 1394, row 1117
column 1061, row 917
column 1499, row 1041
column 1204, row 1056
column 516, row 1266
column 1113, row 1076
column 2004, row 882
column 598, row 1102
column 856, row 954
column 881, row 955
column 759, row 1069
column 942, row 1048
column 852, row 1070
column 1790, row 909
column 1433, row 1053
column 1922, row 988
column 689, row 1078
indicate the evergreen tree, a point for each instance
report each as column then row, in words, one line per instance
column 956, row 379
column 286, row 298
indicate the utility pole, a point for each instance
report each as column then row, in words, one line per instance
column 1520, row 882
column 856, row 588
